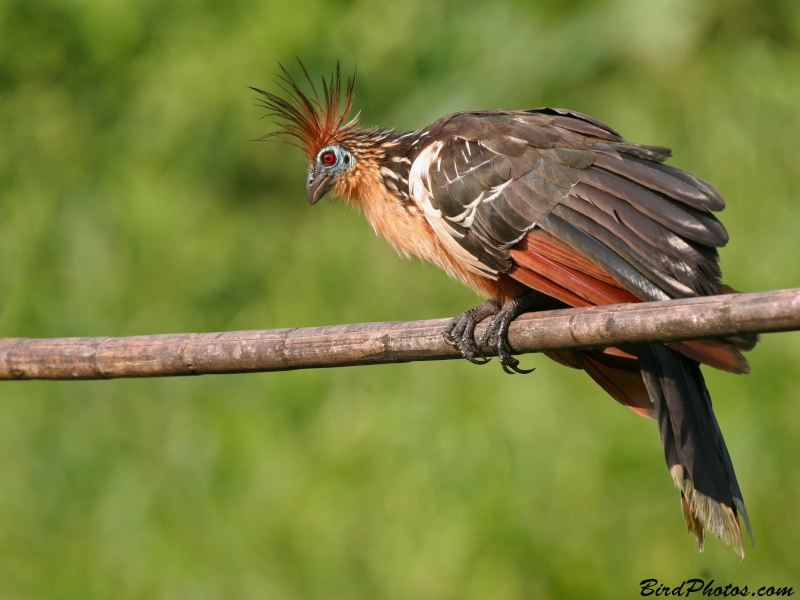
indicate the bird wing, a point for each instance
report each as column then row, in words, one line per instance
column 562, row 203
column 485, row 180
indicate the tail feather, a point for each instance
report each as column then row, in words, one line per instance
column 719, row 354
column 616, row 371
column 661, row 382
column 619, row 377
column 693, row 446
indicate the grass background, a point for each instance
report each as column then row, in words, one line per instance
column 132, row 201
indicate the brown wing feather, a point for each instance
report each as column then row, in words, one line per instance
column 538, row 282
column 543, row 243
column 555, row 266
column 559, row 271
column 579, row 214
column 620, row 226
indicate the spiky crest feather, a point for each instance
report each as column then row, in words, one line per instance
column 313, row 121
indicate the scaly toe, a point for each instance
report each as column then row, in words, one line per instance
column 516, row 369
column 509, row 363
column 471, row 352
column 454, row 332
column 460, row 332
column 489, row 337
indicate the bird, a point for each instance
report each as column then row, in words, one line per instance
column 537, row 209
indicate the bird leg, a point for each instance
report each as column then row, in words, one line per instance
column 496, row 334
column 461, row 331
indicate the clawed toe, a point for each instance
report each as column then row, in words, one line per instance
column 489, row 337
column 496, row 334
column 460, row 335
column 461, row 331
column 511, row 365
column 472, row 353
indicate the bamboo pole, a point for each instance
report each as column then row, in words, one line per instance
column 392, row 342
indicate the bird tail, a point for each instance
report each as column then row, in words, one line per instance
column 696, row 454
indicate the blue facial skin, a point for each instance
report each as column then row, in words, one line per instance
column 330, row 162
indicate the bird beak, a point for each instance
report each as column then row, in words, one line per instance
column 317, row 185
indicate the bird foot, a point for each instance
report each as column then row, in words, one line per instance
column 461, row 331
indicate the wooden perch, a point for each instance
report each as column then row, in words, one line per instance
column 392, row 342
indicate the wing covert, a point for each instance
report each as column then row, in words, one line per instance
column 487, row 179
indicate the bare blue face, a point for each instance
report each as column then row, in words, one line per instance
column 330, row 162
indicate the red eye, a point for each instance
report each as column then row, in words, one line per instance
column 328, row 158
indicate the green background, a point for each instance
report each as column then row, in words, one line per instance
column 133, row 201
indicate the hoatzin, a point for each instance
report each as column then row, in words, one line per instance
column 541, row 208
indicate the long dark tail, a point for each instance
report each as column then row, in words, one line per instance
column 693, row 446
column 661, row 384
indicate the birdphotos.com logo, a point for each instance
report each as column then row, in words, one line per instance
column 700, row 588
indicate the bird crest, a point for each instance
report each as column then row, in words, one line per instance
column 310, row 122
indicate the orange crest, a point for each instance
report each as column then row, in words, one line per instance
column 314, row 122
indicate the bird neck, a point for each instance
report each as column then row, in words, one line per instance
column 378, row 186
column 383, row 163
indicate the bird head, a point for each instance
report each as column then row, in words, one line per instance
column 317, row 125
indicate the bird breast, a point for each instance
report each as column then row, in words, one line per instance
column 407, row 230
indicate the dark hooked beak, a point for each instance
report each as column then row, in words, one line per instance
column 318, row 184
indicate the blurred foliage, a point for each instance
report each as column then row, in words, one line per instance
column 133, row 201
